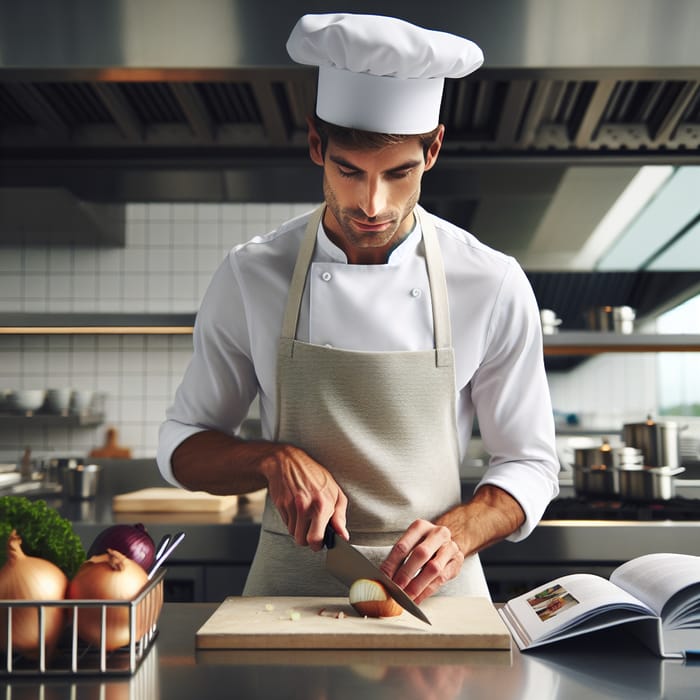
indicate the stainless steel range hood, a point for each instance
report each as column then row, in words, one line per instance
column 146, row 100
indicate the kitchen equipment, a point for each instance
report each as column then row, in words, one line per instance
column 643, row 483
column 8, row 479
column 595, row 468
column 25, row 401
column 111, row 449
column 160, row 547
column 73, row 657
column 597, row 480
column 659, row 442
column 679, row 509
column 347, row 565
column 619, row 319
column 80, row 401
column 54, row 467
column 164, row 552
column 550, row 322
column 171, row 499
column 57, row 401
column 250, row 622
column 80, row 481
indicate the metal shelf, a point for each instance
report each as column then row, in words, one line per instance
column 596, row 342
column 565, row 343
column 81, row 420
column 95, row 324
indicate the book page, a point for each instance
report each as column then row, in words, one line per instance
column 654, row 578
column 557, row 607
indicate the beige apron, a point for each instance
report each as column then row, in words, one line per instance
column 383, row 424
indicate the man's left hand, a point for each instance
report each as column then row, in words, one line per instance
column 423, row 559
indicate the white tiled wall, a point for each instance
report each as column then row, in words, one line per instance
column 170, row 254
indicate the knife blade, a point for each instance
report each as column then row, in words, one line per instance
column 347, row 565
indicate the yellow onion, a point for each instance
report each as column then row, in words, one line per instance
column 108, row 577
column 35, row 579
column 369, row 598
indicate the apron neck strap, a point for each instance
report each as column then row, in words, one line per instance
column 296, row 287
column 438, row 284
column 436, row 277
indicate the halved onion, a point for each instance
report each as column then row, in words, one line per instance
column 370, row 598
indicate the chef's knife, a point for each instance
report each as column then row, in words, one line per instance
column 347, row 565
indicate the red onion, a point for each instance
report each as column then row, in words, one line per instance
column 133, row 541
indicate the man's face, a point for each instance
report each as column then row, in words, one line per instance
column 370, row 195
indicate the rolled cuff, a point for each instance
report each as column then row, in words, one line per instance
column 171, row 435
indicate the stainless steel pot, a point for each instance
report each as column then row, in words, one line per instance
column 619, row 319
column 648, row 483
column 599, row 481
column 659, row 442
column 595, row 469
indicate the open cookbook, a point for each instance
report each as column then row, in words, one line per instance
column 658, row 595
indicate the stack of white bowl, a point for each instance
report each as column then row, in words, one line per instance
column 61, row 402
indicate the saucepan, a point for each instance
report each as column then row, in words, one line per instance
column 596, row 468
column 659, row 442
column 643, row 483
column 619, row 319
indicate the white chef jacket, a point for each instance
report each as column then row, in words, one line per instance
column 496, row 336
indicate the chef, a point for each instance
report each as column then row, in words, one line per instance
column 373, row 334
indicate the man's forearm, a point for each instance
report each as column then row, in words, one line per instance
column 222, row 464
column 489, row 517
column 305, row 494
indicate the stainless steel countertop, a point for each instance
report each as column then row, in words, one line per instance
column 605, row 665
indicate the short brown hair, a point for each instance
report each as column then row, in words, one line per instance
column 357, row 139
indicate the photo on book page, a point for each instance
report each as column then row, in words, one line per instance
column 550, row 601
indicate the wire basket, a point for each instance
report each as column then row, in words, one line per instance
column 73, row 657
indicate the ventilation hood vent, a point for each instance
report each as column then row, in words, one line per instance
column 127, row 101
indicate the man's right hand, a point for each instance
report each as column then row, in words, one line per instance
column 305, row 494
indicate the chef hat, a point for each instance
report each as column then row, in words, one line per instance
column 380, row 73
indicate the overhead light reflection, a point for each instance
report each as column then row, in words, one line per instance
column 669, row 214
column 641, row 189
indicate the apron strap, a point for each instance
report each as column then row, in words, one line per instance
column 296, row 287
column 436, row 276
column 438, row 289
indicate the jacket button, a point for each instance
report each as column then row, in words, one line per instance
column 326, row 276
column 415, row 292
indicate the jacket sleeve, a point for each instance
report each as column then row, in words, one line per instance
column 219, row 383
column 513, row 405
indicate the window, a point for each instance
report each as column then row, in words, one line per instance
column 679, row 373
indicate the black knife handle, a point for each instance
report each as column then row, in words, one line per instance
column 329, row 537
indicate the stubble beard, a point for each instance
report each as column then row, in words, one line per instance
column 368, row 239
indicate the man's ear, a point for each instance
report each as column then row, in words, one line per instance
column 315, row 144
column 434, row 149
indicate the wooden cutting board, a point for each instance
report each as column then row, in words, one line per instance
column 171, row 499
column 249, row 623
